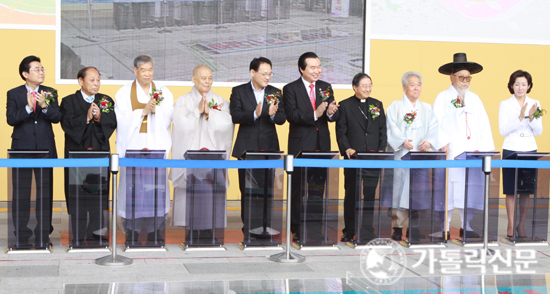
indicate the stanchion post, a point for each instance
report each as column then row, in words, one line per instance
column 287, row 256
column 113, row 259
column 487, row 170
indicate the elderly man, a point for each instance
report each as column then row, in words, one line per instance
column 31, row 110
column 201, row 120
column 88, row 121
column 144, row 113
column 463, row 126
column 360, row 128
column 257, row 117
column 309, row 106
column 412, row 126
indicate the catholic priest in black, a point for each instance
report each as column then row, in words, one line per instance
column 88, row 121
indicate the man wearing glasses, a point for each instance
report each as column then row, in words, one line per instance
column 31, row 110
column 257, row 107
column 463, row 126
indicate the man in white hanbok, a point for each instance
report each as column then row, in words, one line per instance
column 201, row 120
column 411, row 126
column 143, row 123
column 463, row 126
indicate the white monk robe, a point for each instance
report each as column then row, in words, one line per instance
column 128, row 136
column 192, row 131
column 455, row 125
column 423, row 128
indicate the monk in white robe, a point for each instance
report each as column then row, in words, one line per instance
column 201, row 120
column 143, row 123
column 463, row 126
column 406, row 134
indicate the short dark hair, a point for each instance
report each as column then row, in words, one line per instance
column 256, row 62
column 302, row 64
column 358, row 77
column 520, row 74
column 82, row 73
column 25, row 65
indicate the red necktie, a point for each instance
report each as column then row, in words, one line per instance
column 34, row 105
column 312, row 96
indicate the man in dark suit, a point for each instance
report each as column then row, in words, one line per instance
column 360, row 128
column 309, row 106
column 89, row 120
column 256, row 107
column 31, row 110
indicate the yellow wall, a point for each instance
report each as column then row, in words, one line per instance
column 389, row 60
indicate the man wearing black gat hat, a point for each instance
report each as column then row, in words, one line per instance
column 463, row 126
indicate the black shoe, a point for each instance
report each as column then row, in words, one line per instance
column 347, row 237
column 397, row 234
column 518, row 235
column 469, row 234
column 416, row 234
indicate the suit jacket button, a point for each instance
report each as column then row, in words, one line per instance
column 35, row 122
column 366, row 134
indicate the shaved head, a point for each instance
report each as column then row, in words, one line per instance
column 202, row 78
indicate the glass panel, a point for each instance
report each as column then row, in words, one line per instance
column 29, row 202
column 263, row 203
column 474, row 195
column 87, row 194
column 426, row 200
column 318, row 205
column 205, row 201
column 371, row 187
column 146, row 199
column 531, row 200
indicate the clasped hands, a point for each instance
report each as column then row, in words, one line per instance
column 204, row 107
column 150, row 107
column 93, row 113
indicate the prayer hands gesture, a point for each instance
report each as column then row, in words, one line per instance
column 273, row 107
column 203, row 106
column 332, row 108
column 93, row 112
column 150, row 107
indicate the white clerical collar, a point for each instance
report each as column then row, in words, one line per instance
column 363, row 100
column 88, row 99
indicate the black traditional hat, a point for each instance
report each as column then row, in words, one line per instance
column 460, row 63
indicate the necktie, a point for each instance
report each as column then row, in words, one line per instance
column 312, row 96
column 34, row 105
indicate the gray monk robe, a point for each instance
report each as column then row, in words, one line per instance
column 193, row 131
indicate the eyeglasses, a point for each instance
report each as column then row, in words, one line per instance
column 267, row 74
column 464, row 79
column 38, row 70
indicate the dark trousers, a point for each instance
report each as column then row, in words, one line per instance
column 21, row 204
column 369, row 180
column 308, row 194
column 257, row 200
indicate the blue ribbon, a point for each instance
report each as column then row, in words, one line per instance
column 258, row 164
